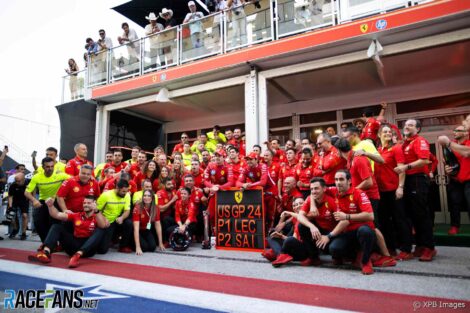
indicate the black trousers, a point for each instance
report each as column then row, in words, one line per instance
column 167, row 222
column 295, row 248
column 147, row 240
column 347, row 244
column 70, row 243
column 124, row 230
column 459, row 200
column 394, row 224
column 416, row 204
column 42, row 220
column 308, row 241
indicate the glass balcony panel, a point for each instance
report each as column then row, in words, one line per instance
column 74, row 86
column 248, row 24
column 98, row 68
column 301, row 15
column 161, row 50
column 202, row 37
column 353, row 9
column 125, row 60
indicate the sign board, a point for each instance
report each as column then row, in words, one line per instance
column 240, row 220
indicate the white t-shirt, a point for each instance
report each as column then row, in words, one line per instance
column 194, row 27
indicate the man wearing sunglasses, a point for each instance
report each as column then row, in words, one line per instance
column 459, row 186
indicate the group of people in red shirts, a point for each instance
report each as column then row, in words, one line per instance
column 360, row 196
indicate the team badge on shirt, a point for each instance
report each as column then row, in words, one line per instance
column 212, row 172
column 250, row 174
column 76, row 189
column 78, row 223
column 222, row 172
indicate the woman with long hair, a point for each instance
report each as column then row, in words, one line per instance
column 73, row 79
column 164, row 173
column 391, row 213
column 150, row 170
column 178, row 172
column 144, row 215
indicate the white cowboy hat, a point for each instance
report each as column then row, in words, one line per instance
column 190, row 3
column 165, row 11
column 151, row 17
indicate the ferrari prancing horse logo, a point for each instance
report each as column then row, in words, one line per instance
column 238, row 196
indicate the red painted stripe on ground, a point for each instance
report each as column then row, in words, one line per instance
column 323, row 296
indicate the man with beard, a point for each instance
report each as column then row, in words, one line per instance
column 238, row 142
column 415, row 193
column 304, row 172
column 329, row 161
column 72, row 192
column 47, row 183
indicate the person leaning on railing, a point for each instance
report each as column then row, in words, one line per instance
column 130, row 38
column 152, row 29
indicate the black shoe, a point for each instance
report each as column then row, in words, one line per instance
column 23, row 236
column 1, row 238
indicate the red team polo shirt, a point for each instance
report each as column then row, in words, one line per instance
column 111, row 184
column 198, row 179
column 164, row 198
column 83, row 227
column 195, row 197
column 236, row 169
column 274, row 170
column 144, row 216
column 74, row 191
column 325, row 219
column 185, row 210
column 464, row 172
column 288, row 198
column 218, row 175
column 329, row 162
column 178, row 148
column 135, row 170
column 370, row 129
column 117, row 168
column 287, row 170
column 304, row 174
column 415, row 148
column 387, row 179
column 258, row 176
column 361, row 170
column 352, row 202
column 73, row 166
column 279, row 156
column 240, row 145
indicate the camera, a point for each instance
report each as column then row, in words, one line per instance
column 10, row 214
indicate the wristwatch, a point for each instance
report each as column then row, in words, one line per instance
column 330, row 236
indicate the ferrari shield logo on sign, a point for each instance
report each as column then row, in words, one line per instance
column 364, row 28
column 238, row 196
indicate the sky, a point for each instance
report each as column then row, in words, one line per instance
column 38, row 38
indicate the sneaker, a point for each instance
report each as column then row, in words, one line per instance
column 404, row 256
column 42, row 257
column 125, row 250
column 74, row 260
column 453, row 231
column 427, row 255
column 23, row 236
column 269, row 255
column 310, row 262
column 282, row 259
column 367, row 268
column 418, row 251
column 384, row 261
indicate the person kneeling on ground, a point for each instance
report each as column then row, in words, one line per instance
column 145, row 212
column 84, row 240
column 185, row 214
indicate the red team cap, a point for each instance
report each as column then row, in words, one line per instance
column 221, row 152
column 252, row 155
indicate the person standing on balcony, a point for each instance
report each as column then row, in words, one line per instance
column 150, row 31
column 73, row 81
column 238, row 18
column 104, row 44
column 130, row 38
column 165, row 42
column 195, row 26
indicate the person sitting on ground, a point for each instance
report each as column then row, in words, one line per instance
column 145, row 212
column 83, row 242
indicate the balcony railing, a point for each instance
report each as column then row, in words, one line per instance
column 236, row 28
column 73, row 86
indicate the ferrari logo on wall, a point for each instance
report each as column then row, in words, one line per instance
column 364, row 28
